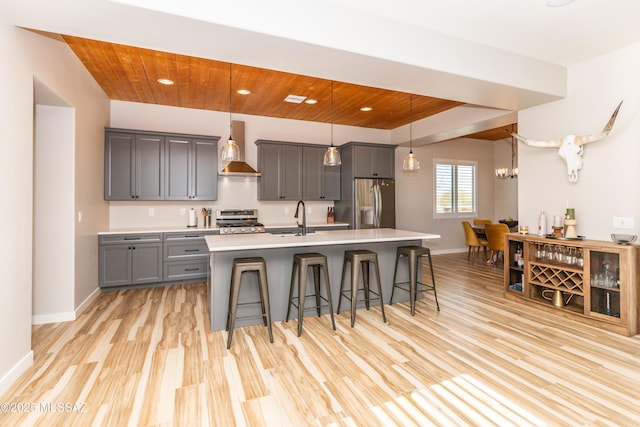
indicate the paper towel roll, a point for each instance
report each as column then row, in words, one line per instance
column 192, row 218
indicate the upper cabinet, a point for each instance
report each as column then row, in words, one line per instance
column 142, row 165
column 365, row 160
column 134, row 166
column 294, row 171
column 280, row 164
column 191, row 168
column 319, row 182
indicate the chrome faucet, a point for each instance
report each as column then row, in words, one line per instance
column 302, row 226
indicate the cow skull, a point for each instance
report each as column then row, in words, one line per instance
column 570, row 147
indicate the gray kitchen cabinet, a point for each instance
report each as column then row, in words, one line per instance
column 186, row 256
column 319, row 182
column 191, row 168
column 130, row 259
column 280, row 164
column 366, row 160
column 134, row 165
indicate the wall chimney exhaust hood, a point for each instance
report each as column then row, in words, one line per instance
column 238, row 168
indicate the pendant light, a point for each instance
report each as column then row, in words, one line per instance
column 503, row 173
column 230, row 151
column 332, row 156
column 411, row 163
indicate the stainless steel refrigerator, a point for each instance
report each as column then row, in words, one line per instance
column 373, row 204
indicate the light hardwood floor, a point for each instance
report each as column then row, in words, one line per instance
column 144, row 358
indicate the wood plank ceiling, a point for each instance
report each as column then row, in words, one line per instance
column 129, row 73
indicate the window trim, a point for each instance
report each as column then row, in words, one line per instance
column 455, row 163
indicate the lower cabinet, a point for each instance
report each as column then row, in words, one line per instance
column 595, row 282
column 130, row 259
column 142, row 258
column 186, row 256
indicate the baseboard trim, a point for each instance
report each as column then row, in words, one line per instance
column 88, row 300
column 65, row 316
column 14, row 373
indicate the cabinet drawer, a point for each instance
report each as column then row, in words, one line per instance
column 130, row 238
column 182, row 270
column 182, row 249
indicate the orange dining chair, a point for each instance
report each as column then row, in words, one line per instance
column 482, row 221
column 495, row 236
column 473, row 241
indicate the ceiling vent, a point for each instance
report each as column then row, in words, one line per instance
column 295, row 99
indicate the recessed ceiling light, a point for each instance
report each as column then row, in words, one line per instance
column 296, row 99
column 366, row 109
column 243, row 91
column 165, row 81
column 311, row 101
column 558, row 3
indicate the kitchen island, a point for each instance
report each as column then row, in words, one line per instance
column 278, row 251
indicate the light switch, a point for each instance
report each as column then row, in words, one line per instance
column 622, row 222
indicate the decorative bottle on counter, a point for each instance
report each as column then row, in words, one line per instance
column 542, row 224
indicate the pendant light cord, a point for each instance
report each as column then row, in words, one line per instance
column 410, row 123
column 230, row 102
column 331, row 118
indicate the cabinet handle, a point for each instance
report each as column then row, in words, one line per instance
column 192, row 250
column 132, row 238
column 191, row 235
column 192, row 269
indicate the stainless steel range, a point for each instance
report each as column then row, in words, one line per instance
column 238, row 221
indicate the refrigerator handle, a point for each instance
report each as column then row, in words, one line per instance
column 378, row 206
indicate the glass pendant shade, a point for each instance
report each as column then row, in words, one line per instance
column 230, row 151
column 411, row 163
column 332, row 157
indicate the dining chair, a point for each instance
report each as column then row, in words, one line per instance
column 478, row 221
column 495, row 237
column 473, row 241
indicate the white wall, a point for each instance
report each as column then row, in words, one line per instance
column 233, row 192
column 53, row 224
column 33, row 55
column 414, row 190
column 608, row 182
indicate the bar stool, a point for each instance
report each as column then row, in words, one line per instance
column 241, row 266
column 362, row 258
column 301, row 264
column 413, row 254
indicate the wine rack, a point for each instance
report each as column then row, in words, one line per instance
column 592, row 281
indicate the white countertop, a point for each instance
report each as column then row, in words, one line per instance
column 239, row 242
column 184, row 228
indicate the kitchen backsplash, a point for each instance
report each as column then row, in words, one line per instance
column 233, row 192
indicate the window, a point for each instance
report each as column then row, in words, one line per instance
column 455, row 188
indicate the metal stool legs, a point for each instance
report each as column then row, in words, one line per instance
column 362, row 259
column 414, row 255
column 245, row 265
column 299, row 269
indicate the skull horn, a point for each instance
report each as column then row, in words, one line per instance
column 582, row 140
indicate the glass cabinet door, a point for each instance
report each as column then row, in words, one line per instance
column 604, row 282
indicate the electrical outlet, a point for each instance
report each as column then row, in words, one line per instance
column 308, row 209
column 622, row 222
column 183, row 211
column 152, row 211
column 286, row 209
